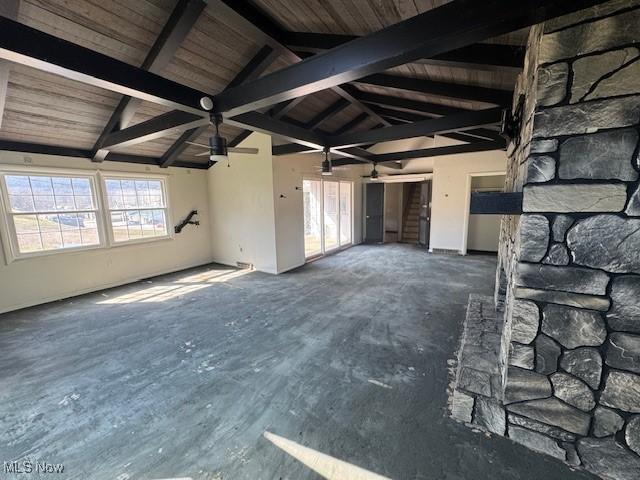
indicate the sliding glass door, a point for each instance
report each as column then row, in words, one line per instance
column 345, row 213
column 331, row 226
column 312, row 195
column 327, row 215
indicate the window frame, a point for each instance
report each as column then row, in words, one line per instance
column 8, row 231
column 104, row 176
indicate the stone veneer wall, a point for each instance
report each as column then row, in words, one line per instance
column 568, row 278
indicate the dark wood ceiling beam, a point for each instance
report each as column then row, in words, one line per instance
column 38, row 148
column 253, row 69
column 291, row 148
column 30, row 47
column 479, row 56
column 408, row 117
column 484, row 146
column 9, row 9
column 260, row 122
column 182, row 18
column 355, row 156
column 356, row 153
column 431, row 33
column 468, row 136
column 432, row 126
column 441, row 89
column 253, row 22
column 345, row 161
column 154, row 128
column 362, row 156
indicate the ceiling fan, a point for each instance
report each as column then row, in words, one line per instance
column 217, row 150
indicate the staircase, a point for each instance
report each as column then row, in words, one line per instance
column 411, row 220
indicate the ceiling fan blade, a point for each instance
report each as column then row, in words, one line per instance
column 251, row 151
column 198, row 144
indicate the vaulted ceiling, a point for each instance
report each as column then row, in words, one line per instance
column 210, row 46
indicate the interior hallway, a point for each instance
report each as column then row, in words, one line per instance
column 180, row 376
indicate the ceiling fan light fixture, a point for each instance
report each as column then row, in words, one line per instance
column 218, row 146
column 327, row 168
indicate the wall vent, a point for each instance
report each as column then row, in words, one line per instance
column 445, row 251
column 245, row 266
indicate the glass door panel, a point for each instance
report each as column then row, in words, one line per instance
column 331, row 220
column 311, row 191
column 345, row 213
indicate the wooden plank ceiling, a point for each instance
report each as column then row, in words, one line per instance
column 47, row 109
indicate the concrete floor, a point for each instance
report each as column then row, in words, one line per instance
column 181, row 376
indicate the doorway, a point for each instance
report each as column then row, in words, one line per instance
column 398, row 211
column 374, row 213
column 328, row 215
column 483, row 231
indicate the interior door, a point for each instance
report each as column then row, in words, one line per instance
column 374, row 208
column 425, row 214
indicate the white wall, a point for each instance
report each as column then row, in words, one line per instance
column 288, row 172
column 242, row 208
column 484, row 233
column 31, row 281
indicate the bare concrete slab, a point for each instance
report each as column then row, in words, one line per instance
column 181, row 376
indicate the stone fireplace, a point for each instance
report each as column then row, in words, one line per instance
column 565, row 336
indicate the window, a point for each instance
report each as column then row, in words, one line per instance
column 137, row 208
column 47, row 212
